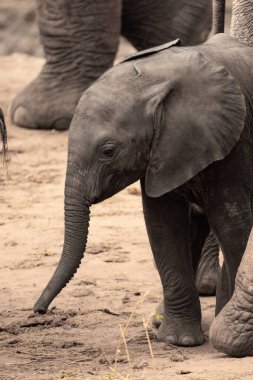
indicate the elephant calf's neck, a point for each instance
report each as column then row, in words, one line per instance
column 242, row 21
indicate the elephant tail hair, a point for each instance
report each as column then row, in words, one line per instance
column 3, row 138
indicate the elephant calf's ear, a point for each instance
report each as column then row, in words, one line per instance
column 151, row 51
column 199, row 121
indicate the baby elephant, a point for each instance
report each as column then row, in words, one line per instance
column 180, row 120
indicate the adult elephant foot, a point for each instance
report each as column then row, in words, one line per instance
column 232, row 330
column 80, row 42
column 48, row 102
column 208, row 269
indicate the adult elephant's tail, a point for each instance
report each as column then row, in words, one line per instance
column 3, row 136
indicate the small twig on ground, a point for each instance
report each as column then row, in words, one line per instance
column 146, row 324
column 141, row 299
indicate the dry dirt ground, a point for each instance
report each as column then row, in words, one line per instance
column 18, row 28
column 116, row 285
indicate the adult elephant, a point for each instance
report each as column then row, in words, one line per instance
column 179, row 119
column 80, row 40
column 232, row 330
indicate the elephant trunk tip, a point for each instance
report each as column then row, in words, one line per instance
column 39, row 309
column 55, row 285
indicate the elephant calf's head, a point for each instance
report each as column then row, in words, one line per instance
column 166, row 116
column 110, row 136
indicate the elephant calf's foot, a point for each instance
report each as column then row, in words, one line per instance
column 48, row 102
column 180, row 332
column 232, row 330
column 176, row 331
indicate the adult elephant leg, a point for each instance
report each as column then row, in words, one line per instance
column 242, row 21
column 80, row 39
column 231, row 224
column 232, row 330
column 208, row 269
column 146, row 23
column 168, row 227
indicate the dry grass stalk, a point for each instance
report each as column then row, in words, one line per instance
column 114, row 374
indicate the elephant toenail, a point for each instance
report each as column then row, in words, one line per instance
column 187, row 340
column 170, row 339
column 62, row 124
column 22, row 118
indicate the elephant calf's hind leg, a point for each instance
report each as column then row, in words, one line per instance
column 208, row 269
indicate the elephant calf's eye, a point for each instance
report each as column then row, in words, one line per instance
column 108, row 151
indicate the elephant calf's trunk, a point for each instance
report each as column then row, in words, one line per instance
column 76, row 232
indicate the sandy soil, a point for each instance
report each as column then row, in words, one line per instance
column 116, row 284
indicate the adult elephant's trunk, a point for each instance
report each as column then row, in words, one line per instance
column 75, row 238
column 218, row 16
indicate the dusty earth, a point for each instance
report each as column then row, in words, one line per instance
column 18, row 28
column 115, row 288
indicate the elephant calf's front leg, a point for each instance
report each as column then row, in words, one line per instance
column 167, row 222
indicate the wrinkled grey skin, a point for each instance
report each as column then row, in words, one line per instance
column 181, row 121
column 242, row 21
column 231, row 331
column 80, row 39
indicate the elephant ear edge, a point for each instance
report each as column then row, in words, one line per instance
column 153, row 50
column 197, row 122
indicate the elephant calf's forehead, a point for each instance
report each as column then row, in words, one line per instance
column 95, row 107
column 111, row 106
